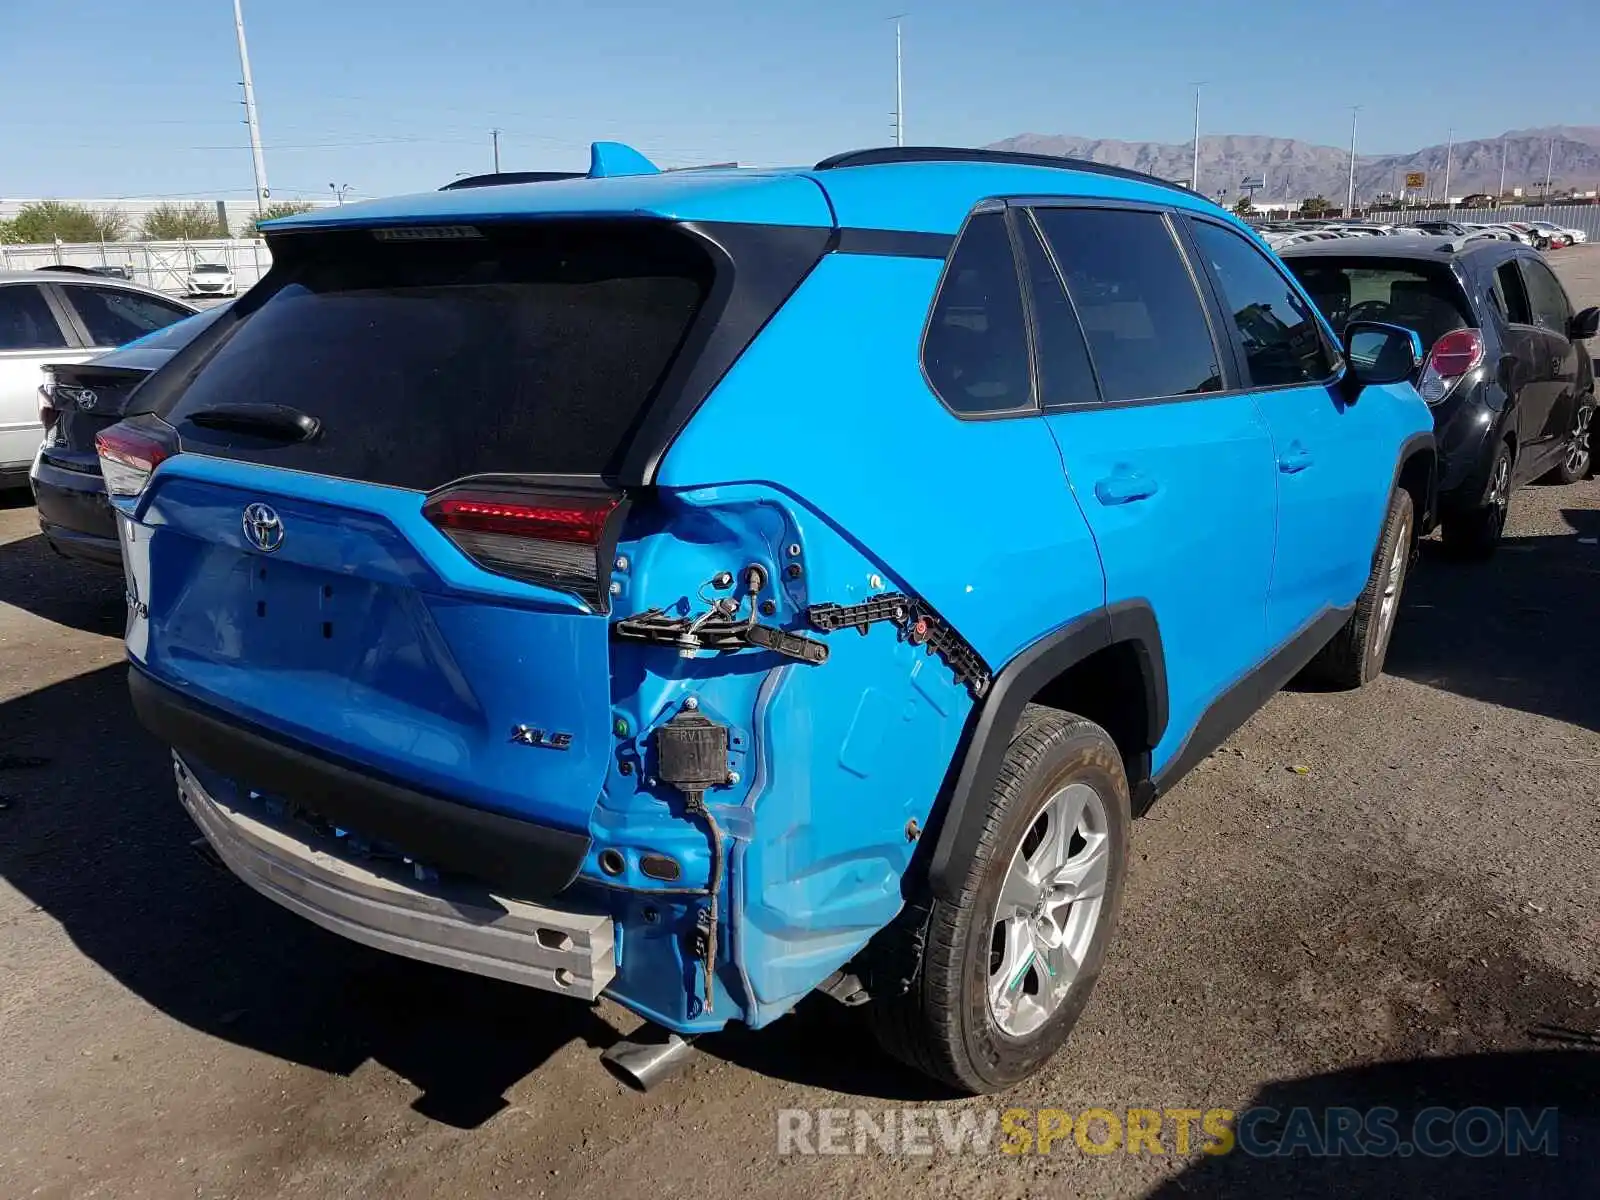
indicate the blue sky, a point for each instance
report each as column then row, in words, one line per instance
column 111, row 98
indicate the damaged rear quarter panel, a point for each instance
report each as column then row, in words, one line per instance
column 829, row 418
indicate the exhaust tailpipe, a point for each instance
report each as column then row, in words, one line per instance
column 649, row 1056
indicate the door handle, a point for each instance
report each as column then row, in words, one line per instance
column 1295, row 459
column 1124, row 487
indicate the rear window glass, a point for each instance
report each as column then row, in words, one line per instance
column 1400, row 293
column 530, row 348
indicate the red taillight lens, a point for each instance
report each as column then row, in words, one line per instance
column 1454, row 356
column 49, row 414
column 558, row 540
column 127, row 459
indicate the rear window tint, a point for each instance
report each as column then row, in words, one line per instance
column 526, row 349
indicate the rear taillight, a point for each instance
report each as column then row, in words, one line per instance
column 560, row 540
column 49, row 414
column 128, row 458
column 1454, row 356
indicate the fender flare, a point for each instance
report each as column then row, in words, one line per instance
column 1419, row 443
column 963, row 809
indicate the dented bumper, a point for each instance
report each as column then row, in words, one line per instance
column 379, row 905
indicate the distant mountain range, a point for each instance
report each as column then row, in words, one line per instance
column 1296, row 169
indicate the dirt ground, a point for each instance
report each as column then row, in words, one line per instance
column 1381, row 928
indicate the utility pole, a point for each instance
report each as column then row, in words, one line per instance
column 1449, row 152
column 899, row 84
column 1549, row 165
column 1502, row 190
column 1350, row 197
column 257, row 162
column 494, row 136
column 1194, row 173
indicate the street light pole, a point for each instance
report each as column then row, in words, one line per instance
column 1449, row 152
column 1502, row 190
column 494, row 136
column 1549, row 165
column 899, row 84
column 257, row 162
column 1350, row 197
column 1194, row 174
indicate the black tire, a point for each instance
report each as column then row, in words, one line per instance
column 1577, row 458
column 944, row 1025
column 1475, row 532
column 1354, row 656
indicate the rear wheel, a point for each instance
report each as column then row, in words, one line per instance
column 1577, row 456
column 1355, row 654
column 1005, row 970
column 1475, row 532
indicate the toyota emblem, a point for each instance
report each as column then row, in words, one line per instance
column 87, row 399
column 262, row 528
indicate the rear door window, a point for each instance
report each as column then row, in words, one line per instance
column 1546, row 298
column 1510, row 297
column 1278, row 330
column 113, row 316
column 519, row 349
column 1136, row 300
column 976, row 349
column 26, row 320
column 1066, row 376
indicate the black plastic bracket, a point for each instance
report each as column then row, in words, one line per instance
column 918, row 624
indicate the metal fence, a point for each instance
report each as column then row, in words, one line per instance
column 161, row 265
column 1569, row 216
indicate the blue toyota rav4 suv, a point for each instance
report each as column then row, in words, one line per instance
column 706, row 588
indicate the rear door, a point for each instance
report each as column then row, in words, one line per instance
column 1334, row 460
column 1535, row 375
column 1172, row 467
column 382, row 539
column 113, row 316
column 33, row 331
column 1551, row 314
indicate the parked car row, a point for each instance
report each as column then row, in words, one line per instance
column 484, row 631
column 1542, row 235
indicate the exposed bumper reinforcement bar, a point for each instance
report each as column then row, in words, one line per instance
column 377, row 905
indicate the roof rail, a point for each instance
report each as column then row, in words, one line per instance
column 908, row 154
column 495, row 178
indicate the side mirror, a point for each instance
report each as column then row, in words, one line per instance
column 1584, row 325
column 1379, row 353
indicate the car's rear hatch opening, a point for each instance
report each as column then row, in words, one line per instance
column 385, row 537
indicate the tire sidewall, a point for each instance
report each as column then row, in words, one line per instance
column 1085, row 754
column 1397, row 525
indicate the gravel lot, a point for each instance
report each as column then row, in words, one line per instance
column 1380, row 928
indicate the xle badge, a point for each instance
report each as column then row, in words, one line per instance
column 527, row 735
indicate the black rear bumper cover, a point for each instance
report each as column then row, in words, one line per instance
column 516, row 857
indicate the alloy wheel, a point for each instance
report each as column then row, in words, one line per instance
column 1049, row 907
column 1578, row 447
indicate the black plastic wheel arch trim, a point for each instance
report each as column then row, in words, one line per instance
column 518, row 858
column 962, row 810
